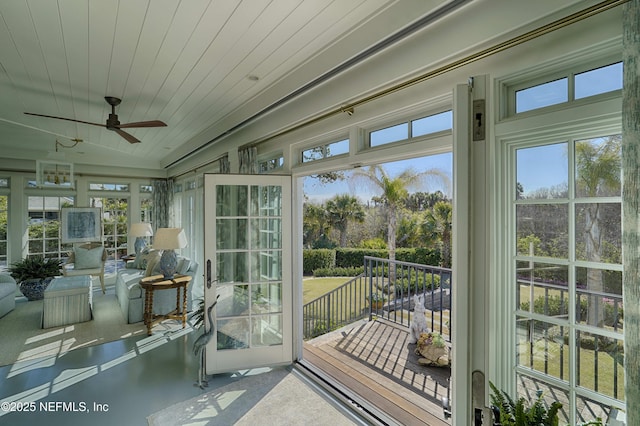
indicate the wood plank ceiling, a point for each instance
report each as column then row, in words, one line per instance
column 193, row 64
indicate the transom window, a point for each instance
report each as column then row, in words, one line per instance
column 325, row 151
column 568, row 275
column 121, row 187
column 413, row 128
column 571, row 86
column 271, row 164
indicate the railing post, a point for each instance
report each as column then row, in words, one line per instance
column 328, row 323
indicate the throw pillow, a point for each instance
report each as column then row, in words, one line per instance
column 88, row 258
column 153, row 259
column 183, row 266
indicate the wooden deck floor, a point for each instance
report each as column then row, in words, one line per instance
column 375, row 361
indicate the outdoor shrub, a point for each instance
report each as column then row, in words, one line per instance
column 422, row 255
column 354, row 257
column 338, row 272
column 317, row 258
column 409, row 283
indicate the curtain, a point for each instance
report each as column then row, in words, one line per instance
column 162, row 197
column 225, row 166
column 248, row 160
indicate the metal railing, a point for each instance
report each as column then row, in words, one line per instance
column 335, row 309
column 373, row 293
column 398, row 282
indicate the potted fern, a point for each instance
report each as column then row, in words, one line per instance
column 517, row 413
column 33, row 274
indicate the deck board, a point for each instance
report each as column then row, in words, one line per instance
column 375, row 361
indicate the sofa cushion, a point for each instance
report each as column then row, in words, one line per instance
column 183, row 266
column 88, row 258
column 153, row 263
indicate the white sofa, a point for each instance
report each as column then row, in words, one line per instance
column 131, row 295
column 7, row 294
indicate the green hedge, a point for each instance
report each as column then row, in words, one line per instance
column 338, row 272
column 313, row 259
column 354, row 257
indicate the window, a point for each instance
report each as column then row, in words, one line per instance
column 571, row 86
column 270, row 164
column 568, row 275
column 121, row 187
column 325, row 151
column 114, row 230
column 4, row 227
column 44, row 226
column 412, row 129
column 146, row 189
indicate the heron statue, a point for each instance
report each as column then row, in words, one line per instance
column 200, row 344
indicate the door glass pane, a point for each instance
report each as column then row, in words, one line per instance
column 233, row 300
column 598, row 167
column 599, row 298
column 542, row 230
column 232, row 267
column 601, row 364
column 233, row 333
column 266, row 266
column 266, row 200
column 599, row 232
column 534, row 179
column 541, row 347
column 266, row 233
column 231, row 200
column 231, row 234
column 266, row 298
column 544, row 284
column 267, row 330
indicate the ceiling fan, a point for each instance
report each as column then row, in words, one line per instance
column 112, row 122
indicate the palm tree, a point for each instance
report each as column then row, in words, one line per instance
column 341, row 209
column 437, row 228
column 394, row 191
column 315, row 223
column 598, row 168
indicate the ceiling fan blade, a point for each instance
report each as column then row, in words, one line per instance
column 152, row 123
column 66, row 119
column 126, row 135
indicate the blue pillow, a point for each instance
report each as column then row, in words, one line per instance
column 88, row 258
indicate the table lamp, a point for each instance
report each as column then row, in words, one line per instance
column 167, row 240
column 140, row 230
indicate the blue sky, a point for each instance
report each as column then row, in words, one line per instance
column 318, row 192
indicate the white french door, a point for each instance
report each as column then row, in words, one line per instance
column 248, row 267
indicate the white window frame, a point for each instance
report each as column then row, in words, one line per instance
column 598, row 117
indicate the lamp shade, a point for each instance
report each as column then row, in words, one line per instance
column 141, row 229
column 169, row 238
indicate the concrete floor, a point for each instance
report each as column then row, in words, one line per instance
column 124, row 382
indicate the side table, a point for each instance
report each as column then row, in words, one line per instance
column 158, row 282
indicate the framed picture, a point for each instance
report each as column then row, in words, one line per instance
column 81, row 224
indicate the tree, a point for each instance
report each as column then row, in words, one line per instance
column 315, row 224
column 340, row 210
column 394, row 192
column 598, row 166
column 437, row 228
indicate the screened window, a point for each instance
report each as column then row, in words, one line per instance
column 568, row 275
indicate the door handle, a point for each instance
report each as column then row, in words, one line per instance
column 208, row 273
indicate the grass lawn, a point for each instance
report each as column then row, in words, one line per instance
column 316, row 287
